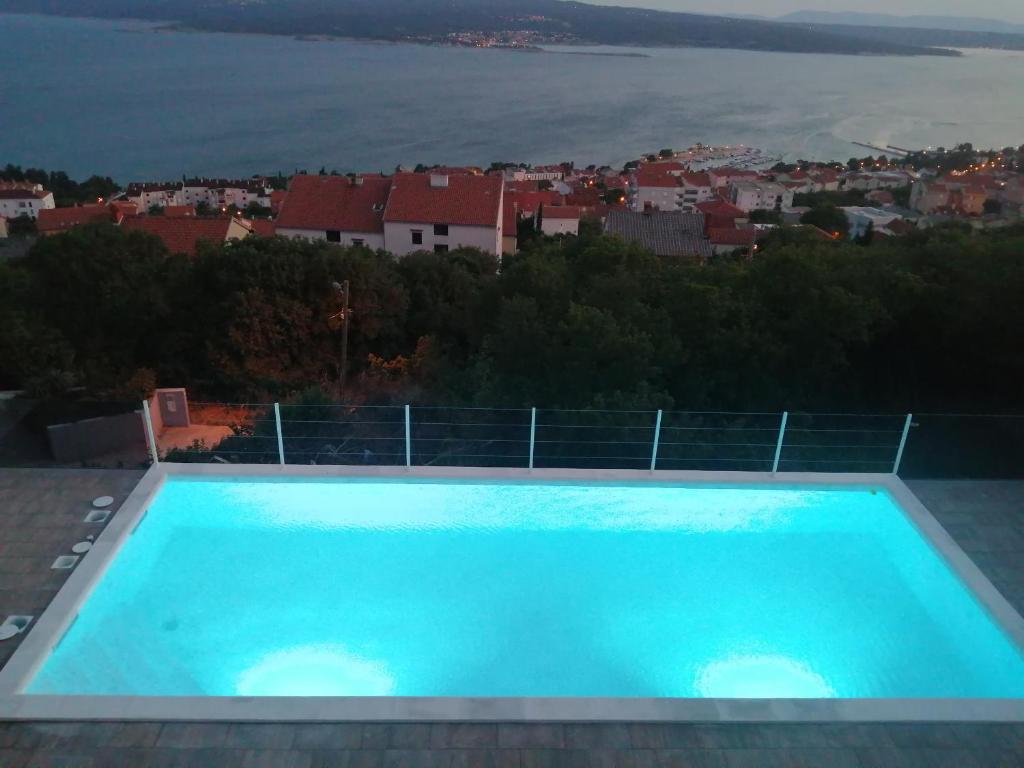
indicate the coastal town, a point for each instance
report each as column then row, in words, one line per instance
column 696, row 204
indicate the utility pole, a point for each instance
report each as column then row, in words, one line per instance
column 343, row 289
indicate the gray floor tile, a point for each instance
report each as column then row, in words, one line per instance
column 275, row 758
column 328, row 736
column 193, row 735
column 463, row 735
column 260, row 735
column 690, row 758
column 596, row 735
column 531, row 735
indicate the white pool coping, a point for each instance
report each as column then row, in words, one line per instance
column 62, row 611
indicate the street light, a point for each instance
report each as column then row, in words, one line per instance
column 343, row 316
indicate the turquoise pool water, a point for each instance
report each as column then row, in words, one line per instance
column 422, row 588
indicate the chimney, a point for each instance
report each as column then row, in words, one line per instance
column 438, row 181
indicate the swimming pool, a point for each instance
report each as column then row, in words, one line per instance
column 519, row 588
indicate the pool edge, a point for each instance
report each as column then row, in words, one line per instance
column 63, row 609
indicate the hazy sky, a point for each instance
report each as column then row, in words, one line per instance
column 1010, row 10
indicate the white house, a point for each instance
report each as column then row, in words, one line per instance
column 668, row 189
column 147, row 194
column 23, row 199
column 216, row 193
column 560, row 220
column 223, row 193
column 721, row 178
column 337, row 209
column 440, row 213
column 660, row 192
column 695, row 188
column 862, row 218
column 760, row 195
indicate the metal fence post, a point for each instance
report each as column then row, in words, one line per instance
column 533, row 433
column 408, row 438
column 280, row 435
column 657, row 439
column 903, row 443
column 778, row 445
column 150, row 435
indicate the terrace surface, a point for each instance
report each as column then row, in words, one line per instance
column 41, row 516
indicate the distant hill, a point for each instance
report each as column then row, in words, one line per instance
column 853, row 18
column 920, row 37
column 434, row 20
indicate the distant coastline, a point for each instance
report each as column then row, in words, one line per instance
column 280, row 104
column 498, row 25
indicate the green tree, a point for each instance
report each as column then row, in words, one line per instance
column 828, row 218
column 765, row 216
column 21, row 226
column 106, row 292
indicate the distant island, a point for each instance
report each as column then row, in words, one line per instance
column 491, row 23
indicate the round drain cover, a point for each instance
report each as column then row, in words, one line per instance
column 103, row 501
column 81, row 547
column 7, row 631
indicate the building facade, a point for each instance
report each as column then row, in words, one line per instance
column 760, row 196
column 18, row 199
column 436, row 212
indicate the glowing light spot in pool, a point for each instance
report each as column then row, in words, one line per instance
column 316, row 670
column 761, row 677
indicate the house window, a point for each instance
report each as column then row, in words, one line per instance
column 357, row 241
column 440, row 248
column 417, row 237
column 333, row 236
column 441, row 230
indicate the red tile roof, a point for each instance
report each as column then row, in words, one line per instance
column 646, row 178
column 584, row 198
column 335, row 202
column 696, row 179
column 561, row 212
column 181, row 235
column 263, row 227
column 473, row 201
column 664, row 166
column 20, row 193
column 530, row 202
column 824, row 175
column 52, row 220
column 124, row 207
column 737, row 237
column 721, row 208
column 177, row 211
column 522, row 186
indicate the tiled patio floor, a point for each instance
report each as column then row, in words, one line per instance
column 41, row 515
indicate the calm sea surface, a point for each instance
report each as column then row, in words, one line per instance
column 118, row 98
